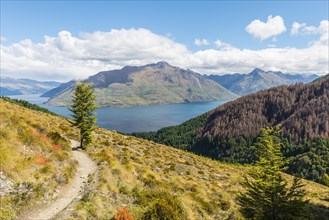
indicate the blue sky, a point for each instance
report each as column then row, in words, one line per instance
column 180, row 21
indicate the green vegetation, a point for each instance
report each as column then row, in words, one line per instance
column 229, row 132
column 267, row 195
column 181, row 136
column 27, row 105
column 309, row 159
column 161, row 205
column 83, row 106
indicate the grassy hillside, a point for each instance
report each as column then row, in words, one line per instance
column 139, row 175
column 35, row 157
column 136, row 174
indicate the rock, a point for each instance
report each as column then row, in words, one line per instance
column 6, row 185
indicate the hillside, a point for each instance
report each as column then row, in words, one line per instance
column 258, row 79
column 11, row 86
column 158, row 83
column 228, row 132
column 35, row 158
column 59, row 89
column 133, row 173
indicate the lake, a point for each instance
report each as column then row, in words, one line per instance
column 137, row 118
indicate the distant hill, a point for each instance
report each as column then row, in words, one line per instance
column 322, row 77
column 6, row 92
column 258, row 79
column 158, row 83
column 11, row 86
column 228, row 132
column 58, row 90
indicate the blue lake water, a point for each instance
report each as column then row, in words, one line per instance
column 137, row 118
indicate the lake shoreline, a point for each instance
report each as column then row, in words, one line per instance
column 131, row 119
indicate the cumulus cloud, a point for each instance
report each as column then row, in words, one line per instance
column 304, row 29
column 273, row 27
column 201, row 42
column 223, row 45
column 65, row 56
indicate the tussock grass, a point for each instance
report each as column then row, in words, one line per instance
column 140, row 176
column 35, row 156
column 132, row 169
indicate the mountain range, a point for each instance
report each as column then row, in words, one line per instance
column 158, row 83
column 258, row 79
column 229, row 132
column 11, row 86
column 161, row 83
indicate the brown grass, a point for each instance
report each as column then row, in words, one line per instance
column 40, row 160
column 123, row 214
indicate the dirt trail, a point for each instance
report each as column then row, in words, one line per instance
column 85, row 167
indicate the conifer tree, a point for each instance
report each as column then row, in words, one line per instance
column 267, row 193
column 83, row 107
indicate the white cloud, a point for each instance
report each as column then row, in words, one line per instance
column 219, row 43
column 304, row 29
column 274, row 26
column 201, row 42
column 223, row 46
column 64, row 57
column 2, row 39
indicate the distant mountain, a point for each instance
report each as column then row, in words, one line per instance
column 158, row 83
column 58, row 90
column 228, row 132
column 7, row 92
column 11, row 86
column 258, row 79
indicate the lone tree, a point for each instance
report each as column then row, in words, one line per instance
column 267, row 193
column 83, row 107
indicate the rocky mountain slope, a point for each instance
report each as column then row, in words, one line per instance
column 132, row 175
column 11, row 86
column 258, row 79
column 228, row 132
column 59, row 89
column 158, row 83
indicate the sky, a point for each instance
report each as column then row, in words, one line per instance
column 64, row 40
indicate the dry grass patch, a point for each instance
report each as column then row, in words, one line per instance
column 34, row 156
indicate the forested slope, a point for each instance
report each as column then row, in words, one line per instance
column 228, row 132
